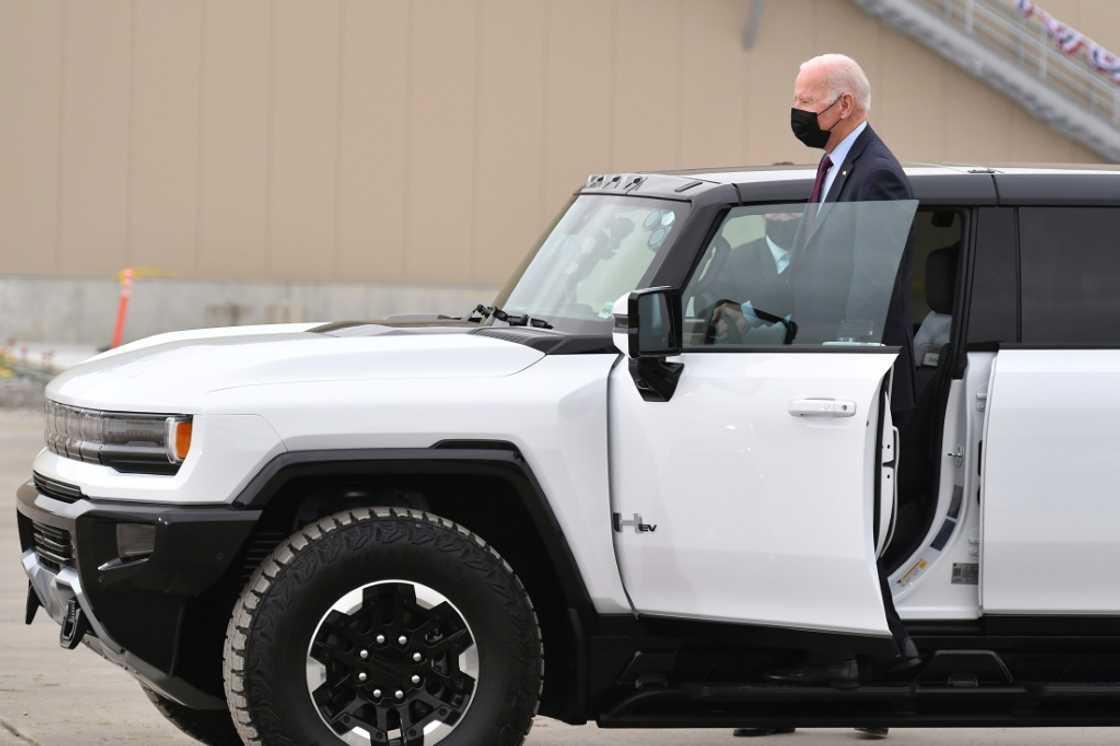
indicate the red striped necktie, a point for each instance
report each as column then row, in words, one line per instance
column 822, row 172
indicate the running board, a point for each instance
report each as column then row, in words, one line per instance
column 728, row 706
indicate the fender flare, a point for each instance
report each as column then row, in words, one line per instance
column 498, row 459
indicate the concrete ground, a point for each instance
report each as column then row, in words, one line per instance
column 49, row 696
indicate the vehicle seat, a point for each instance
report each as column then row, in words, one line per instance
column 933, row 334
column 920, row 438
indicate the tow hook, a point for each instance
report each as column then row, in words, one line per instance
column 74, row 625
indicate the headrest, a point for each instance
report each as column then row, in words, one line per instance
column 721, row 245
column 941, row 278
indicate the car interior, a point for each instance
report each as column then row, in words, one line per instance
column 935, row 256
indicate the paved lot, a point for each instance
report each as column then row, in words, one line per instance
column 49, row 696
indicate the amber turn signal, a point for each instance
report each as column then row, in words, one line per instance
column 178, row 438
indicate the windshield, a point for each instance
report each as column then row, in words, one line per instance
column 798, row 274
column 599, row 249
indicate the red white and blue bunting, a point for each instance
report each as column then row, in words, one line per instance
column 1071, row 41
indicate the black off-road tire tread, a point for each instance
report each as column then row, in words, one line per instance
column 474, row 553
column 211, row 727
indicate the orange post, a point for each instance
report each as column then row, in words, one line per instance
column 122, row 306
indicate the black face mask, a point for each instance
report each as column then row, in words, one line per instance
column 782, row 232
column 807, row 129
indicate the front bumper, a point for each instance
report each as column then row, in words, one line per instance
column 159, row 616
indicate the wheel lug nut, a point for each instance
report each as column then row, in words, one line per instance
column 415, row 679
column 362, row 676
column 399, row 694
column 381, row 639
column 417, row 657
column 377, row 694
column 363, row 654
column 402, row 640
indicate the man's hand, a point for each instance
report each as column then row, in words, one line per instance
column 729, row 322
column 744, row 325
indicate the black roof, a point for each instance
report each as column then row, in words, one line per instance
column 934, row 183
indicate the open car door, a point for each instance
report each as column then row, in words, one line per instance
column 751, row 493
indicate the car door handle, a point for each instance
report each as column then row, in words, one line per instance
column 822, row 408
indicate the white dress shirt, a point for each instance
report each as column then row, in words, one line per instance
column 781, row 256
column 781, row 264
column 837, row 156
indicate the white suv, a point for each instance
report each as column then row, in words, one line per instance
column 664, row 463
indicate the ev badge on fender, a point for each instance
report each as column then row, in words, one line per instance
column 636, row 522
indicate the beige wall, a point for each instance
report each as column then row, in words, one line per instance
column 418, row 142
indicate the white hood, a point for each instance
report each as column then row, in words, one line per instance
column 174, row 372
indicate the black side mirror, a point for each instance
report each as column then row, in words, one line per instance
column 655, row 324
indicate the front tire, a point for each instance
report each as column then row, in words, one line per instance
column 383, row 626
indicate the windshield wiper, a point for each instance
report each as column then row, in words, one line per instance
column 485, row 312
column 525, row 319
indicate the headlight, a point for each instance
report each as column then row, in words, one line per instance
column 154, row 443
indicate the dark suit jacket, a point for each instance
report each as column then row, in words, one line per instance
column 751, row 275
column 828, row 259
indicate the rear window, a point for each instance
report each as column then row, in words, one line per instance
column 1070, row 275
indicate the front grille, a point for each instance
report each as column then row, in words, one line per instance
column 52, row 546
column 56, row 490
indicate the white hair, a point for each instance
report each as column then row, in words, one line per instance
column 843, row 75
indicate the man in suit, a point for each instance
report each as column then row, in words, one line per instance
column 831, row 102
column 766, row 261
column 832, row 278
column 837, row 278
column 754, row 280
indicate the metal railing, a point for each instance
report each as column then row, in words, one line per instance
column 995, row 43
column 999, row 26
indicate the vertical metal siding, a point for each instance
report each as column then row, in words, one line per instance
column 415, row 141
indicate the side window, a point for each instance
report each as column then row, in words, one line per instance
column 1070, row 268
column 786, row 274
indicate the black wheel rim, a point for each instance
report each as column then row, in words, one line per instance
column 392, row 663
